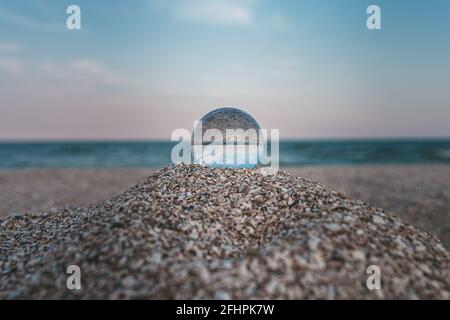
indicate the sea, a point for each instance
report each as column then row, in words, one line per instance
column 141, row 154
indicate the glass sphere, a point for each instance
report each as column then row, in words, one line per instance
column 227, row 137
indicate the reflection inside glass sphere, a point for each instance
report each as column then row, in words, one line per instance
column 227, row 137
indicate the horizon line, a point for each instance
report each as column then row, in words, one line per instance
column 319, row 139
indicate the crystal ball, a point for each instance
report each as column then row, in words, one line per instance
column 227, row 137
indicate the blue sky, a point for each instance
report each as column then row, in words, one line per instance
column 140, row 69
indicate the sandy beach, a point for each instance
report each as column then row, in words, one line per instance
column 192, row 232
column 420, row 195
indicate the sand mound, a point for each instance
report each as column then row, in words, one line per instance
column 194, row 232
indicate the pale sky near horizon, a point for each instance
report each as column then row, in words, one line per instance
column 141, row 69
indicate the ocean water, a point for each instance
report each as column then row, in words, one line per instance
column 157, row 154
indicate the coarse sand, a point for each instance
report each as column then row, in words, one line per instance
column 191, row 232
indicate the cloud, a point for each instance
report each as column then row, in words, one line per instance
column 12, row 66
column 92, row 68
column 215, row 12
column 281, row 22
column 23, row 21
column 10, row 47
column 287, row 63
column 287, row 68
column 85, row 71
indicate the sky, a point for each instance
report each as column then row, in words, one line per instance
column 141, row 69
